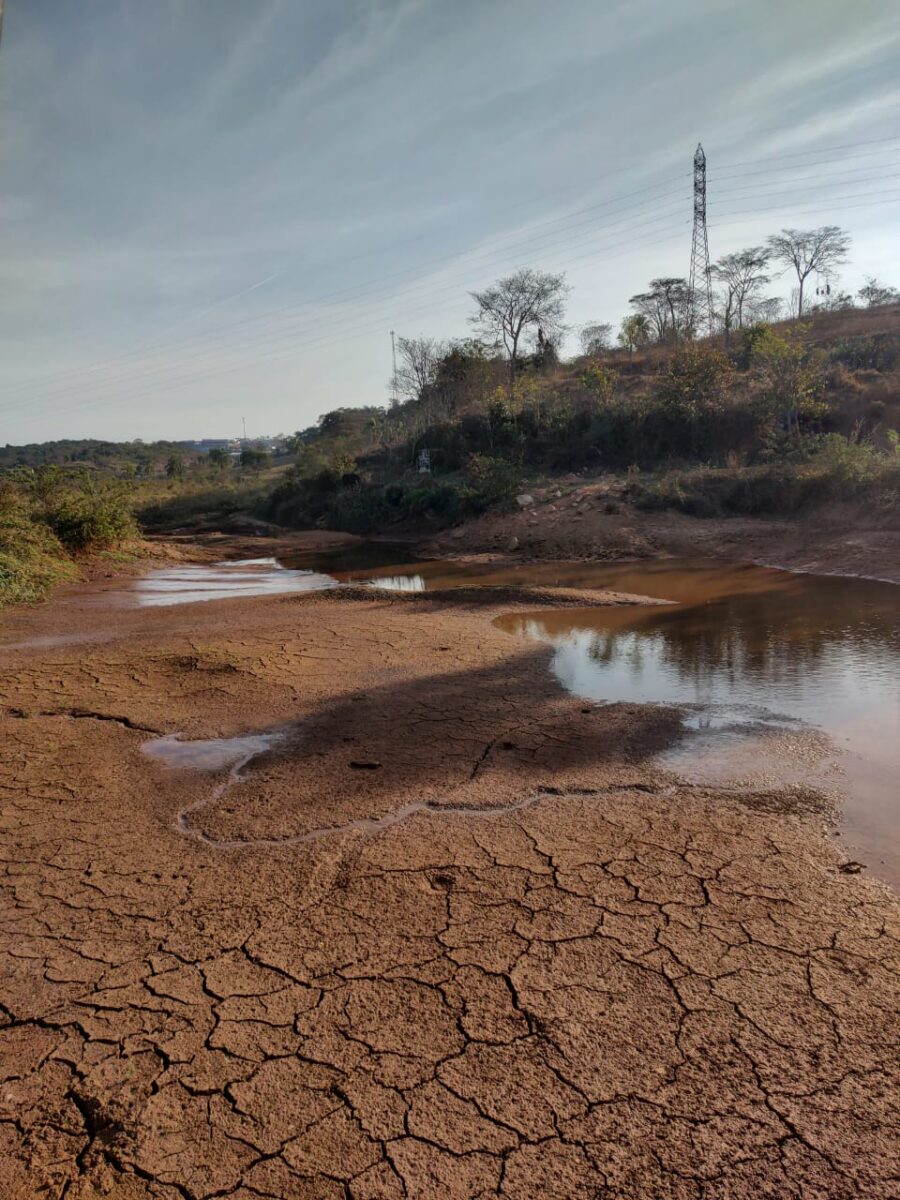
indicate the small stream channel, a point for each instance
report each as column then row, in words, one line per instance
column 764, row 662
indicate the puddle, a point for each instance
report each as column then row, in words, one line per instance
column 191, row 583
column 213, row 754
column 56, row 641
column 765, row 661
column 389, row 565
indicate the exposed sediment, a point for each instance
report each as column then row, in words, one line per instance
column 561, row 974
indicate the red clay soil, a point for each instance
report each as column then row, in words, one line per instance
column 572, row 519
column 562, row 974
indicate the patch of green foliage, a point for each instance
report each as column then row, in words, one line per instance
column 32, row 559
column 49, row 515
column 95, row 516
column 834, row 468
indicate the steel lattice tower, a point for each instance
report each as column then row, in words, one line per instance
column 701, row 277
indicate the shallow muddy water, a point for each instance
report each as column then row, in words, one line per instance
column 765, row 662
column 762, row 659
column 191, row 583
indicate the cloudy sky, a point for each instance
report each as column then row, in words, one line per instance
column 213, row 210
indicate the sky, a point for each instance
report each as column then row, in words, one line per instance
column 214, row 211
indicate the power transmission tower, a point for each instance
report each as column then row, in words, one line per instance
column 393, row 371
column 701, row 275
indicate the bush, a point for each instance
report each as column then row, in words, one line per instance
column 443, row 502
column 878, row 353
column 360, row 509
column 494, row 481
column 839, row 469
column 97, row 517
column 32, row 560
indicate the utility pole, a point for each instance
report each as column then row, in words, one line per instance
column 701, row 275
column 393, row 371
column 244, row 419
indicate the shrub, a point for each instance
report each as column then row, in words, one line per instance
column 96, row 517
column 878, row 353
column 494, row 481
column 31, row 558
column 360, row 509
column 443, row 502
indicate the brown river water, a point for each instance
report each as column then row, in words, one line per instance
column 783, row 678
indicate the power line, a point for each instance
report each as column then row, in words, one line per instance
column 266, row 317
column 492, row 256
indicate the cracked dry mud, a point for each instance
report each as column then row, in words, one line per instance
column 623, row 988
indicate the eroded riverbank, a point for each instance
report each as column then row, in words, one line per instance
column 613, row 984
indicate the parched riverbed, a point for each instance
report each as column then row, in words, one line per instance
column 349, row 875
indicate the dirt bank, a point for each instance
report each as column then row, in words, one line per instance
column 560, row 974
column 589, row 518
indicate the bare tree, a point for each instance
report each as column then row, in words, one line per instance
column 810, row 250
column 743, row 274
column 419, row 359
column 768, row 309
column 666, row 307
column 521, row 304
column 596, row 338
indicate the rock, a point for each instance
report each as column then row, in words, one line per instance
column 524, row 500
column 851, row 868
column 458, row 533
column 512, row 544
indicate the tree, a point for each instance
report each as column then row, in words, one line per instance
column 743, row 274
column 810, row 250
column 219, row 458
column 419, row 359
column 596, row 338
column 635, row 331
column 175, row 467
column 666, row 306
column 521, row 304
column 254, row 458
column 874, row 293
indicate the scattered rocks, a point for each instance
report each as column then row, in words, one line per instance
column 524, row 500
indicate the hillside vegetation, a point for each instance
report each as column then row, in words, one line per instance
column 777, row 419
column 769, row 418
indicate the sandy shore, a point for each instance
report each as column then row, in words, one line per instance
column 450, row 935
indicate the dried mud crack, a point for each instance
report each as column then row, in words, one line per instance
column 560, row 975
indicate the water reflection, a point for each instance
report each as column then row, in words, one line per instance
column 398, row 583
column 770, row 649
column 189, row 584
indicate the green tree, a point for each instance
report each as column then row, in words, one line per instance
column 175, row 467
column 253, row 458
column 635, row 332
column 219, row 458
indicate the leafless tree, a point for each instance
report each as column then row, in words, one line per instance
column 742, row 274
column 810, row 250
column 666, row 306
column 767, row 308
column 522, row 304
column 596, row 338
column 417, row 366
